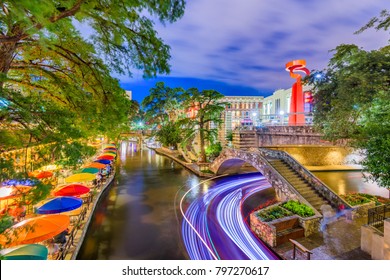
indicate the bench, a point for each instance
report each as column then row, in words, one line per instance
column 302, row 248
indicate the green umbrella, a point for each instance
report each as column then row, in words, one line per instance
column 25, row 252
column 91, row 170
column 108, row 152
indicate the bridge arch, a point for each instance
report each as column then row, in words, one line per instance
column 231, row 160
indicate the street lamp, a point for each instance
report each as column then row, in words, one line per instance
column 281, row 113
column 254, row 114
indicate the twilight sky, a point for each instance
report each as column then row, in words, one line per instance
column 240, row 47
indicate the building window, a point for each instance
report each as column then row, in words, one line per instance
column 277, row 106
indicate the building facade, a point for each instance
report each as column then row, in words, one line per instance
column 277, row 106
column 240, row 111
column 252, row 111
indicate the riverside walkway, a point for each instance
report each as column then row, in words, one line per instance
column 80, row 226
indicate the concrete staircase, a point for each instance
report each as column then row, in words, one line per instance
column 299, row 183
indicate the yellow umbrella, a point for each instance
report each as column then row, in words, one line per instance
column 80, row 177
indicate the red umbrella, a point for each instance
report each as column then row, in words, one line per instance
column 44, row 174
column 106, row 157
column 72, row 190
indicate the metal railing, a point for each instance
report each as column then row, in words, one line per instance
column 65, row 249
column 377, row 215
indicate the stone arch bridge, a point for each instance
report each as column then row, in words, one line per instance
column 286, row 175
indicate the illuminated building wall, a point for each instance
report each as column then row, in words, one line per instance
column 241, row 111
column 277, row 106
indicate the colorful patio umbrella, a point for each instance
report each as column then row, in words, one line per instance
column 60, row 204
column 25, row 252
column 11, row 192
column 91, row 170
column 34, row 230
column 80, row 177
column 104, row 161
column 44, row 174
column 19, row 182
column 109, row 153
column 95, row 165
column 106, row 157
column 110, row 149
column 109, row 146
column 40, row 174
column 72, row 190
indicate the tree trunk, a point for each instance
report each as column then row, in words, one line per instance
column 202, row 150
column 7, row 53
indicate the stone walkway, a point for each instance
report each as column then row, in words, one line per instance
column 339, row 240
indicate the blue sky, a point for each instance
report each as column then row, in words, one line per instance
column 240, row 47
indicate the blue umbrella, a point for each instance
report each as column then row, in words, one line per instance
column 60, row 204
column 20, row 182
column 104, row 161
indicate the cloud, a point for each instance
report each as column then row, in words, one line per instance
column 249, row 42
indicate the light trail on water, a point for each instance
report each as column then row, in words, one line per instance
column 214, row 226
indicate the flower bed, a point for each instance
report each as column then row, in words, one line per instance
column 362, row 198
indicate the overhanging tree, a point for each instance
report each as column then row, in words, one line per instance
column 352, row 102
column 54, row 84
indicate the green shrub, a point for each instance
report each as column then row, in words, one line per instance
column 213, row 150
column 298, row 208
column 356, row 198
column 273, row 213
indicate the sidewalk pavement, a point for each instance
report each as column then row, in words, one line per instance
column 339, row 240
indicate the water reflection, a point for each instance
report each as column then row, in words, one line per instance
column 135, row 218
column 343, row 182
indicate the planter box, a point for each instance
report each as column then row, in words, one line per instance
column 280, row 230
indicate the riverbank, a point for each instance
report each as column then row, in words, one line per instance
column 83, row 228
column 174, row 155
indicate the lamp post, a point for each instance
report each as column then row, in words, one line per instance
column 254, row 114
column 281, row 113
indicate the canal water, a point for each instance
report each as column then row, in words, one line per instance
column 136, row 218
column 343, row 182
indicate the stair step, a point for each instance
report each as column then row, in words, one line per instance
column 287, row 171
column 303, row 186
column 296, row 181
column 308, row 193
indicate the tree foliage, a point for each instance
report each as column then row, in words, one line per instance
column 170, row 134
column 352, row 102
column 163, row 104
column 54, row 83
column 208, row 109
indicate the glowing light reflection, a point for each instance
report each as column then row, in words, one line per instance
column 214, row 227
